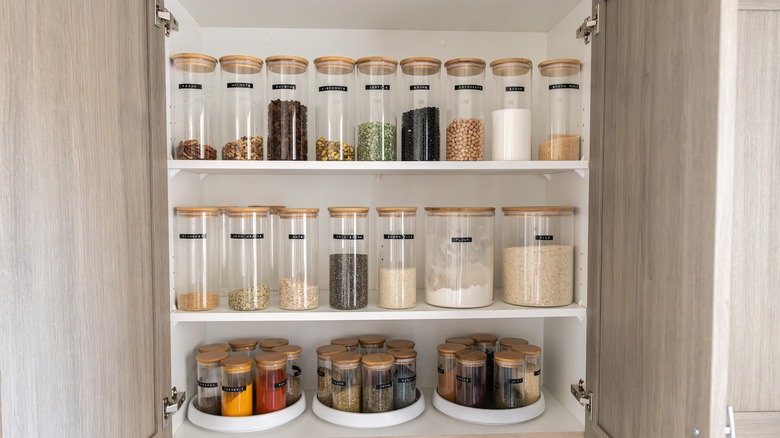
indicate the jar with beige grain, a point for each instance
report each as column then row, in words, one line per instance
column 298, row 286
column 532, row 377
column 465, row 109
column 561, row 79
column 196, row 276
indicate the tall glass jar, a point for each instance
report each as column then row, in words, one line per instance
column 470, row 376
column 506, row 344
column 246, row 347
column 348, row 258
column 420, row 136
column 486, row 343
column 351, row 344
column 222, row 346
column 404, row 376
column 270, row 382
column 194, row 81
column 376, row 131
column 538, row 256
column 335, row 127
column 532, row 381
column 195, row 266
column 459, row 256
column 241, row 111
column 509, row 372
column 377, row 383
column 293, row 370
column 209, row 381
column 237, row 386
column 370, row 344
column 561, row 79
column 512, row 118
column 222, row 257
column 466, row 109
column 298, row 287
column 273, row 239
column 397, row 284
column 267, row 345
column 447, row 369
column 288, row 84
column 247, row 258
column 325, row 372
column 467, row 342
column 346, row 382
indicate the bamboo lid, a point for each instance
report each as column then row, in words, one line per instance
column 330, row 350
column 400, row 343
column 396, row 211
column 538, row 211
column 196, row 211
column 241, row 64
column 468, row 342
column 289, row 350
column 347, row 357
column 511, row 66
column 371, row 339
column 270, row 358
column 509, row 357
column 287, row 65
column 450, row 348
column 462, row 67
column 483, row 338
column 236, row 364
column 420, row 66
column 527, row 350
column 346, row 342
column 378, row 359
column 348, row 211
column 509, row 342
column 243, row 343
column 376, row 65
column 222, row 346
column 402, row 353
column 269, row 343
column 461, row 209
column 559, row 67
column 334, row 65
column 288, row 213
column 272, row 209
column 211, row 356
column 471, row 356
column 194, row 62
column 246, row 211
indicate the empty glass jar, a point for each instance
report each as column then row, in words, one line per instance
column 466, row 109
column 288, row 114
column 509, row 372
column 347, row 376
column 448, row 369
column 194, row 81
column 470, row 378
column 241, row 109
column 335, row 126
column 377, row 391
column 512, row 118
column 506, row 344
column 325, row 372
column 348, row 259
column 209, row 381
column 420, row 135
column 397, row 283
column 562, row 90
column 195, row 272
column 247, row 258
column 298, row 287
column 376, row 129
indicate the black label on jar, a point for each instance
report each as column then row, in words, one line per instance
column 562, row 86
column 283, row 86
column 281, row 384
column 207, row 384
column 384, row 385
column 240, row 85
column 544, row 237
column 468, row 87
column 297, row 236
column 234, row 388
column 407, row 379
column 296, row 370
column 333, row 88
column 348, row 236
column 514, row 89
column 419, row 87
column 515, row 381
column 338, row 382
column 245, row 236
column 378, row 87
column 321, row 373
column 440, row 370
column 190, row 86
column 463, row 379
column 399, row 236
column 537, row 372
column 192, row 236
column 461, row 240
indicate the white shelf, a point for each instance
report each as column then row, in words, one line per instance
column 432, row 422
column 373, row 312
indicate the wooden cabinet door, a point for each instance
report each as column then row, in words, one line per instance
column 83, row 266
column 660, row 203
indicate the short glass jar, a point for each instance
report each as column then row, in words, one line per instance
column 194, row 82
column 370, row 344
column 509, row 372
column 470, row 387
column 376, row 130
column 247, row 258
column 209, row 381
column 267, row 345
column 397, row 282
column 196, row 249
column 335, row 124
column 246, row 347
column 532, row 380
column 293, row 371
column 237, row 386
column 465, row 109
column 377, row 391
column 420, row 135
column 347, row 377
column 242, row 115
column 223, row 346
column 404, row 376
column 512, row 121
column 288, row 114
column 468, row 342
column 348, row 258
column 270, row 382
column 561, row 79
column 448, row 369
column 351, row 344
column 506, row 344
column 298, row 287
column 325, row 372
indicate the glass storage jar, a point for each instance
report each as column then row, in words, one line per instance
column 348, row 258
column 532, row 380
column 267, row 345
column 325, row 372
column 335, row 128
column 376, row 131
column 459, row 256
column 222, row 257
column 298, row 287
column 209, row 381
column 246, row 347
column 470, row 378
column 447, row 369
column 468, row 342
column 247, row 258
column 561, row 79
column 486, row 343
column 293, row 370
column 195, row 266
column 287, row 111
column 351, row 344
column 272, row 238
column 465, row 109
column 370, row 344
column 397, row 283
column 237, row 387
column 509, row 372
column 377, row 391
column 270, row 382
column 538, row 256
column 346, row 382
column 512, row 120
column 404, row 376
column 224, row 346
column 506, row 344
column 420, row 135
column 399, row 343
column 241, row 110
column 193, row 91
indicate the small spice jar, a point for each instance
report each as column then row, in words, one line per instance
column 399, row 343
column 194, row 81
column 532, row 381
column 214, row 347
column 512, row 119
column 468, row 342
column 448, row 369
column 506, row 344
column 335, row 128
column 247, row 258
column 288, row 83
column 404, row 376
column 470, row 375
column 376, row 117
column 561, row 78
column 325, row 372
column 509, row 372
column 538, row 256
column 293, row 370
column 377, row 383
column 209, row 381
column 420, row 136
column 237, row 386
column 486, row 343
column 195, row 266
column 267, row 345
column 243, row 347
column 351, row 344
column 370, row 344
column 271, row 382
column 397, row 283
column 459, row 256
column 346, row 382
column 241, row 110
column 298, row 287
column 348, row 258
column 466, row 109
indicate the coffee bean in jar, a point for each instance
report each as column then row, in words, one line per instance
column 287, row 110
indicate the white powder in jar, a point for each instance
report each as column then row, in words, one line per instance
column 397, row 288
column 474, row 296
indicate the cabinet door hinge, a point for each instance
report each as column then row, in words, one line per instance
column 590, row 26
column 731, row 430
column 172, row 405
column 164, row 19
column 584, row 396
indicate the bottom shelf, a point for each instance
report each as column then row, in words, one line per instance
column 556, row 419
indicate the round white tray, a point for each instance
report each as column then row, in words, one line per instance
column 250, row 423
column 370, row 421
column 488, row 416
